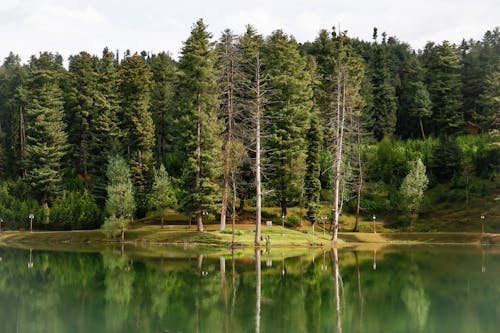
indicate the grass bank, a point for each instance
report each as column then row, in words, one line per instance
column 141, row 235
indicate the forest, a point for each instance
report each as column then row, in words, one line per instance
column 337, row 124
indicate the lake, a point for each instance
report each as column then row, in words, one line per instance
column 396, row 289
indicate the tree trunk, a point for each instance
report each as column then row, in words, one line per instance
column 22, row 141
column 162, row 221
column 225, row 194
column 199, row 221
column 421, row 128
column 197, row 189
column 258, row 195
column 233, row 204
column 85, row 171
column 300, row 205
column 338, row 152
column 122, row 238
column 360, row 181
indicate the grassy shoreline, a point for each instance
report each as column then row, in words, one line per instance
column 188, row 237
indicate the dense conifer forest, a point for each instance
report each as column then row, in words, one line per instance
column 363, row 127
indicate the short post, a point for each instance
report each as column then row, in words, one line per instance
column 374, row 227
column 31, row 217
column 482, row 224
column 283, row 224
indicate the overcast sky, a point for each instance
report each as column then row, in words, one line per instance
column 70, row 26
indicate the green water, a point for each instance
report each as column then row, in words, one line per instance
column 405, row 289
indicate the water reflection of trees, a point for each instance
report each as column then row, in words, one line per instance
column 69, row 292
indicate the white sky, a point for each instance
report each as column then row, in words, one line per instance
column 70, row 26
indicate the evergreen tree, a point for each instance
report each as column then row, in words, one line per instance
column 120, row 202
column 413, row 187
column 444, row 85
column 384, row 106
column 3, row 160
column 288, row 109
column 165, row 72
column 104, row 129
column 46, row 139
column 162, row 195
column 312, row 184
column 414, row 105
column 81, row 109
column 137, row 124
column 324, row 50
column 489, row 100
column 12, row 78
column 200, row 129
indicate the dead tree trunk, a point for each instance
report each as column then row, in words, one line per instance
column 258, row 118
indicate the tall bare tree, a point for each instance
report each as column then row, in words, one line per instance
column 345, row 99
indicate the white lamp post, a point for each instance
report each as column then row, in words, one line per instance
column 482, row 224
column 374, row 227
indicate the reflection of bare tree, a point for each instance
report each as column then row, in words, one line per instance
column 257, row 290
column 223, row 284
column 338, row 279
column 233, row 283
column 360, row 293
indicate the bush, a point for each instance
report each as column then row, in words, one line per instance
column 230, row 231
column 290, row 221
column 16, row 205
column 75, row 210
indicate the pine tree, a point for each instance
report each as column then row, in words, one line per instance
column 489, row 100
column 46, row 139
column 105, row 134
column 312, row 184
column 165, row 74
column 81, row 109
column 444, row 85
column 162, row 194
column 384, row 105
column 137, row 125
column 413, row 187
column 288, row 109
column 414, row 104
column 12, row 78
column 120, row 202
column 200, row 129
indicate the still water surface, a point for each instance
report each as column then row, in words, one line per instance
column 400, row 289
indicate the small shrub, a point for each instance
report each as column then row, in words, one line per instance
column 290, row 221
column 230, row 231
